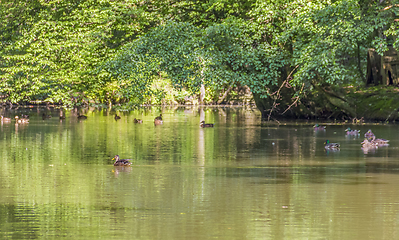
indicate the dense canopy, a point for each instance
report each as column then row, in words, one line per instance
column 75, row 52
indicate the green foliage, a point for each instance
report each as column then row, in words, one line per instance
column 379, row 103
column 49, row 49
column 222, row 54
column 75, row 52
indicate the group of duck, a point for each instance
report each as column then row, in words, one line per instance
column 18, row 119
column 157, row 121
column 118, row 162
column 369, row 142
column 25, row 118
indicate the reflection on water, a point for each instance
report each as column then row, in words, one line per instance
column 239, row 180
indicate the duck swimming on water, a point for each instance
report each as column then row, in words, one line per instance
column 81, row 117
column 137, row 121
column 158, row 120
column 5, row 119
column 350, row 131
column 369, row 135
column 329, row 145
column 204, row 125
column 121, row 162
column 21, row 120
column 318, row 127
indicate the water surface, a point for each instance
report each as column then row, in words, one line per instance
column 239, row 180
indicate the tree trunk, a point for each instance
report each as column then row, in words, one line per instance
column 374, row 71
column 263, row 104
column 202, row 94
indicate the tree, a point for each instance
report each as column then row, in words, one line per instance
column 49, row 49
column 220, row 54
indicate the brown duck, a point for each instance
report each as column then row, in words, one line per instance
column 5, row 119
column 137, row 121
column 45, row 116
column 117, row 117
column 62, row 116
column 204, row 125
column 21, row 120
column 81, row 116
column 121, row 162
column 158, row 120
column 159, row 117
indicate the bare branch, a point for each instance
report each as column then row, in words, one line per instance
column 296, row 100
column 225, row 94
column 285, row 82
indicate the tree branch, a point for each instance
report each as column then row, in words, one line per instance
column 225, row 94
column 278, row 92
column 296, row 100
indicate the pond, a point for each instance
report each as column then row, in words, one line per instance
column 239, row 180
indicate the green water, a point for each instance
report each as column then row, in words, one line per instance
column 239, row 180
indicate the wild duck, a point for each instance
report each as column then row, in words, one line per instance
column 45, row 116
column 137, row 121
column 62, row 116
column 5, row 119
column 381, row 142
column 21, row 120
column 121, row 162
column 369, row 144
column 204, row 125
column 158, row 122
column 329, row 145
column 159, row 117
column 349, row 131
column 369, row 135
column 81, row 116
column 318, row 127
column 117, row 117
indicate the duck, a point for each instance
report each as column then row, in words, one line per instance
column 349, row 131
column 159, row 117
column 44, row 116
column 204, row 125
column 381, row 142
column 318, row 127
column 117, row 117
column 369, row 135
column 21, row 120
column 329, row 145
column 367, row 144
column 5, row 119
column 121, row 162
column 62, row 116
column 137, row 121
column 81, row 116
column 158, row 120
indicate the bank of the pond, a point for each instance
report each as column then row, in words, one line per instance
column 368, row 104
column 377, row 103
